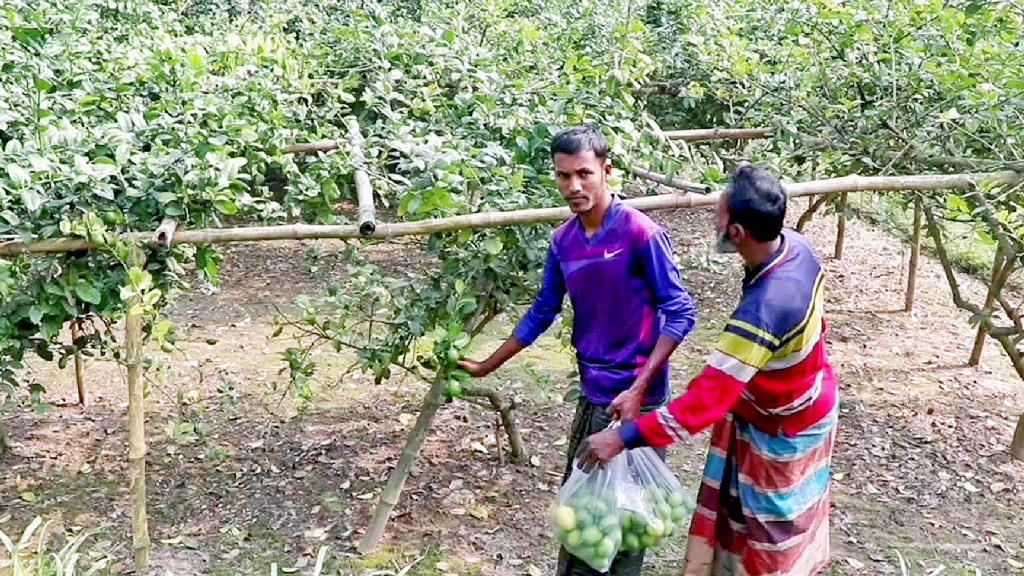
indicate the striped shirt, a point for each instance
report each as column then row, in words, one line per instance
column 769, row 366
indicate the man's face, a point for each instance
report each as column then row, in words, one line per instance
column 582, row 179
column 724, row 241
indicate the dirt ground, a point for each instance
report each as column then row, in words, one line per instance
column 241, row 478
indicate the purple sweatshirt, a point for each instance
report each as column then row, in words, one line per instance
column 625, row 292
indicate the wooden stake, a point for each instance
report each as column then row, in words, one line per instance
column 137, row 429
column 396, row 481
column 83, row 396
column 367, row 217
column 915, row 252
column 841, row 227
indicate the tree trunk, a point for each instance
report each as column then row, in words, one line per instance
column 671, row 183
column 504, row 407
column 4, row 447
column 915, row 252
column 1017, row 446
column 1006, row 337
column 841, row 227
column 396, row 481
column 990, row 299
column 137, row 430
column 812, row 207
column 83, row 395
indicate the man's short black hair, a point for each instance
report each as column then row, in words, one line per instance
column 580, row 138
column 755, row 200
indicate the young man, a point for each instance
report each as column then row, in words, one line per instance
column 768, row 389
column 631, row 309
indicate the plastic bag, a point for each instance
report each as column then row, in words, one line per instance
column 587, row 513
column 653, row 503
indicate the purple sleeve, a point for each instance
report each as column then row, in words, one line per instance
column 546, row 305
column 670, row 298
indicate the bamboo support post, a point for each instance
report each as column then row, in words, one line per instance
column 83, row 396
column 670, row 182
column 915, row 253
column 398, row 476
column 164, row 234
column 367, row 217
column 137, row 428
column 718, row 134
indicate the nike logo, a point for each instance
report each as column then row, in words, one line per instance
column 608, row 255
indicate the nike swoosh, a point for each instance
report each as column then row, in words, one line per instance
column 608, row 255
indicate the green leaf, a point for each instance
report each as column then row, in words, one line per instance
column 88, row 293
column 448, row 35
column 225, row 206
column 41, row 84
column 10, row 217
column 35, row 314
column 493, row 245
column 18, row 175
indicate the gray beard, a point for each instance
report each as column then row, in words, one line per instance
column 723, row 245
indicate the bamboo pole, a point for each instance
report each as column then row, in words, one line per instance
column 915, row 253
column 137, row 429
column 83, row 396
column 164, row 233
column 367, row 217
column 310, row 147
column 671, row 183
column 528, row 216
column 841, row 227
column 718, row 134
column 396, row 481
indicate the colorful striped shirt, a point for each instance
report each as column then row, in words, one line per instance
column 769, row 366
column 625, row 292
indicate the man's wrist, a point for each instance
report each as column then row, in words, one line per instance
column 640, row 384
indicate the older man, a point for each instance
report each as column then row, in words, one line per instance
column 770, row 394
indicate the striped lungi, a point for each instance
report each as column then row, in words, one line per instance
column 763, row 503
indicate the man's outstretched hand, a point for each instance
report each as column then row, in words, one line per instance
column 475, row 369
column 597, row 449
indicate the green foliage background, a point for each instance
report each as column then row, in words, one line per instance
column 115, row 114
